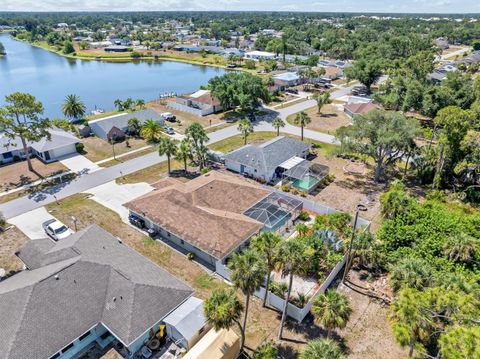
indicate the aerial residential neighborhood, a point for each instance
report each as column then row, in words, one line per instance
column 254, row 180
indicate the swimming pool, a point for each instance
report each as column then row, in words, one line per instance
column 305, row 184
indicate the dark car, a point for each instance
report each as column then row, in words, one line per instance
column 136, row 221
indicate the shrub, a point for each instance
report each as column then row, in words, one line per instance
column 204, row 170
column 294, row 190
column 303, row 194
column 3, row 222
column 304, row 216
column 286, row 188
column 278, row 288
column 79, row 147
column 190, row 256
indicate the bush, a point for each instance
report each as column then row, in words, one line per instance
column 304, row 216
column 3, row 222
column 303, row 194
column 285, row 188
column 79, row 147
column 294, row 190
column 204, row 170
column 190, row 256
column 279, row 289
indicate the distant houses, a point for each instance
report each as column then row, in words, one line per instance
column 260, row 55
column 61, row 143
column 200, row 103
column 116, row 127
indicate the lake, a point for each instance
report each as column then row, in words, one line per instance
column 50, row 78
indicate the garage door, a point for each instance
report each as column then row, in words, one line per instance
column 62, row 151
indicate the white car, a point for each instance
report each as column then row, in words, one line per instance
column 56, row 229
column 168, row 116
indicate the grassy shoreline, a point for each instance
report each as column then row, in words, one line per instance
column 123, row 58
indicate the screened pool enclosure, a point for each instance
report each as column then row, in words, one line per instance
column 305, row 175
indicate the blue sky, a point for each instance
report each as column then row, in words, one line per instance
column 399, row 6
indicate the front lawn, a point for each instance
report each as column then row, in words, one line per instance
column 14, row 175
column 331, row 118
column 97, row 149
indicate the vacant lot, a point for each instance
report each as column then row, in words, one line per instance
column 10, row 242
column 16, row 174
column 329, row 120
column 97, row 149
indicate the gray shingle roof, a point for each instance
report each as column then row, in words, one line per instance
column 58, row 138
column 269, row 155
column 121, row 121
column 85, row 279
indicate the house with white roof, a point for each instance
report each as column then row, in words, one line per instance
column 260, row 55
column 60, row 143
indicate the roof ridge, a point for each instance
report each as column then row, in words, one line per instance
column 25, row 305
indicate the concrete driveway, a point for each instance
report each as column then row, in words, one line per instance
column 30, row 223
column 79, row 164
column 113, row 195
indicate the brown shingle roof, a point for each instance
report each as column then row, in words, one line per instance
column 361, row 108
column 206, row 212
column 207, row 98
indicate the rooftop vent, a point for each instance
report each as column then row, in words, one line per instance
column 56, row 277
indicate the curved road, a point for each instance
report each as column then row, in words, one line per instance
column 83, row 183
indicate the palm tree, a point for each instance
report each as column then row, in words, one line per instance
column 461, row 247
column 411, row 272
column 322, row 349
column 223, row 310
column 292, row 259
column 167, row 147
column 332, row 310
column 248, row 274
column 128, row 103
column 277, row 123
column 73, row 107
column 302, row 119
column 134, row 126
column 140, row 104
column 118, row 104
column 246, row 128
column 184, row 152
column 266, row 243
column 322, row 100
column 151, row 130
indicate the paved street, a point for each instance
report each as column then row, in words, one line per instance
column 102, row 176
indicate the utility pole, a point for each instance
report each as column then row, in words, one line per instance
column 360, row 208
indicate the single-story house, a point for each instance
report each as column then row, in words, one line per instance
column 88, row 289
column 213, row 215
column 116, row 127
column 442, row 43
column 61, row 143
column 262, row 161
column 116, row 48
column 287, row 79
column 200, row 103
column 333, row 72
column 260, row 55
column 232, row 50
column 355, row 109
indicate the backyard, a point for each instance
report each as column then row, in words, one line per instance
column 263, row 323
column 16, row 174
column 329, row 120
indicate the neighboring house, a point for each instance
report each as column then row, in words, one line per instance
column 437, row 76
column 360, row 108
column 442, row 43
column 116, row 48
column 115, row 127
column 200, row 103
column 474, row 57
column 333, row 72
column 260, row 55
column 88, row 289
column 214, row 215
column 61, row 143
column 285, row 80
column 232, row 50
column 262, row 161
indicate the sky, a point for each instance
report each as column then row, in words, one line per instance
column 388, row 6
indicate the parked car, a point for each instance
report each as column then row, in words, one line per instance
column 56, row 229
column 136, row 221
column 169, row 130
column 169, row 116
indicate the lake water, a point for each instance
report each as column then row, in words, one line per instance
column 50, row 78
